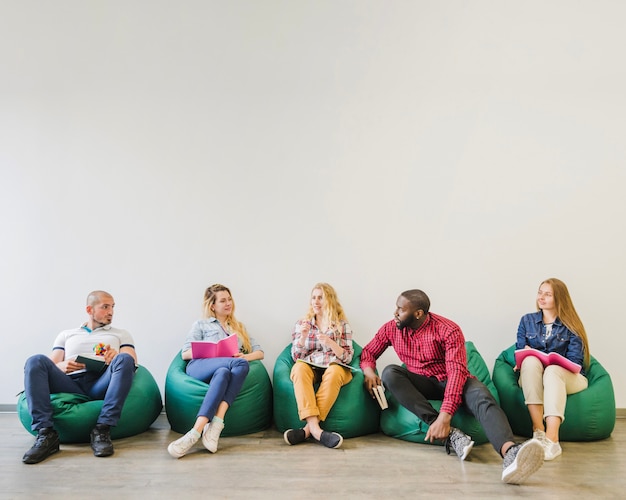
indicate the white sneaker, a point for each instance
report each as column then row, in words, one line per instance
column 551, row 450
column 181, row 446
column 211, row 435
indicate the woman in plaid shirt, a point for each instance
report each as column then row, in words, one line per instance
column 322, row 349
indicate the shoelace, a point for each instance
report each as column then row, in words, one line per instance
column 448, row 444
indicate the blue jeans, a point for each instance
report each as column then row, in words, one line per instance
column 43, row 378
column 413, row 392
column 225, row 377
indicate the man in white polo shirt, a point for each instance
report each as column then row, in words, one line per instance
column 60, row 372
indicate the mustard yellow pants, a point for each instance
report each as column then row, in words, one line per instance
column 331, row 379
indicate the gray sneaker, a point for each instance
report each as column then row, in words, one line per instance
column 522, row 460
column 460, row 442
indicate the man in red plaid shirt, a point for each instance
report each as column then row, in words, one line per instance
column 432, row 349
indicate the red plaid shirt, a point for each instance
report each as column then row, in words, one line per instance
column 435, row 349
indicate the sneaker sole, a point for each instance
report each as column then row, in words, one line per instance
column 210, row 447
column 466, row 450
column 174, row 453
column 529, row 460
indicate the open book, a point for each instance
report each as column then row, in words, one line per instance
column 551, row 358
column 223, row 348
column 319, row 365
column 379, row 392
column 92, row 362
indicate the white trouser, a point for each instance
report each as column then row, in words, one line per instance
column 549, row 387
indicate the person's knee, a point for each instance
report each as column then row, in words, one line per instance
column 337, row 374
column 241, row 366
column 392, row 373
column 476, row 394
column 300, row 371
column 553, row 372
column 36, row 361
column 123, row 361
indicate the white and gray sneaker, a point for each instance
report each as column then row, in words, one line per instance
column 521, row 461
column 211, row 435
column 460, row 442
column 181, row 446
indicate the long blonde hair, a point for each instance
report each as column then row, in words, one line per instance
column 566, row 312
column 210, row 296
column 332, row 307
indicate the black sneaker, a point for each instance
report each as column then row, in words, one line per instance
column 331, row 439
column 294, row 436
column 101, row 441
column 46, row 443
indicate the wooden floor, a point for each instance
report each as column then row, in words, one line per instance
column 262, row 466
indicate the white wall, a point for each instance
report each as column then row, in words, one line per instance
column 151, row 148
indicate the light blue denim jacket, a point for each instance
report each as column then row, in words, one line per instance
column 532, row 332
column 210, row 329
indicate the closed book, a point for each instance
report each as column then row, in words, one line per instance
column 92, row 362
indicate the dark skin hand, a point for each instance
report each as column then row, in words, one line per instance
column 371, row 380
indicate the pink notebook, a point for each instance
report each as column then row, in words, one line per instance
column 552, row 358
column 224, row 348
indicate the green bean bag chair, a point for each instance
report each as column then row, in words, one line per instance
column 250, row 412
column 75, row 414
column 354, row 413
column 589, row 414
column 398, row 422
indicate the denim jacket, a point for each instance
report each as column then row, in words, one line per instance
column 532, row 332
column 210, row 329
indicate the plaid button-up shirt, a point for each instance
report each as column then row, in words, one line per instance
column 435, row 349
column 314, row 352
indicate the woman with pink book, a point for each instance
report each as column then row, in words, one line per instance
column 554, row 328
column 225, row 375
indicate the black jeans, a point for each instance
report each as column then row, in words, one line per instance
column 413, row 392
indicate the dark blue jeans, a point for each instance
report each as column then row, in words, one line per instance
column 225, row 377
column 43, row 378
column 413, row 392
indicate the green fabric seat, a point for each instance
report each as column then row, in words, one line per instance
column 354, row 413
column 250, row 412
column 75, row 415
column 589, row 414
column 398, row 422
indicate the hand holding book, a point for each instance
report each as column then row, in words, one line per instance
column 379, row 393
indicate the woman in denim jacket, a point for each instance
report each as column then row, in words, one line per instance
column 556, row 327
column 225, row 376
